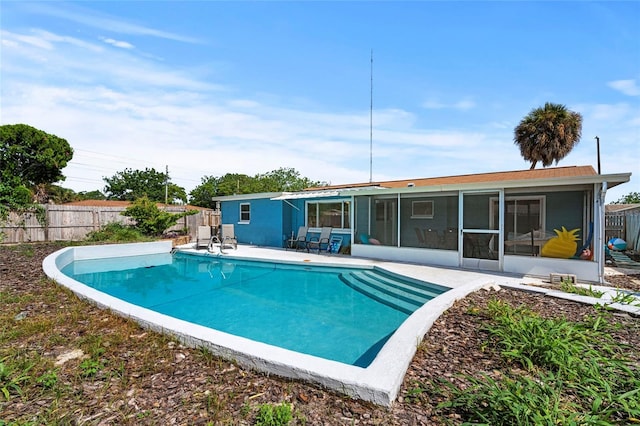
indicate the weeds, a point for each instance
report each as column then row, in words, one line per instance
column 619, row 296
column 575, row 375
column 90, row 367
column 274, row 415
column 48, row 379
column 569, row 287
column 11, row 377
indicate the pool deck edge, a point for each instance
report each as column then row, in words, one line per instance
column 379, row 383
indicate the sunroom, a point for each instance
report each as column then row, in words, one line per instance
column 539, row 225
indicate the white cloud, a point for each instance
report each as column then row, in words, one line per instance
column 135, row 112
column 462, row 105
column 627, row 87
column 91, row 18
column 116, row 43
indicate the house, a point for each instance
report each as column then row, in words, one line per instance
column 522, row 222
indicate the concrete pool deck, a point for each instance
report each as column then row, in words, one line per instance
column 378, row 383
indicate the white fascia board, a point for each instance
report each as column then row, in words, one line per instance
column 306, row 195
column 611, row 179
column 240, row 197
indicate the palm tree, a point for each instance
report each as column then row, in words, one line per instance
column 548, row 134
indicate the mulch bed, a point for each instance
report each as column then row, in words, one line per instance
column 154, row 380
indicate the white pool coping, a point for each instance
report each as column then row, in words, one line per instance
column 378, row 383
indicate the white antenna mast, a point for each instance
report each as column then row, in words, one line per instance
column 371, row 125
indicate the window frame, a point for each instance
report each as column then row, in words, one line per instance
column 316, row 205
column 422, row 216
column 247, row 212
column 541, row 198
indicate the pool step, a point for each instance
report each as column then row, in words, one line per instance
column 399, row 293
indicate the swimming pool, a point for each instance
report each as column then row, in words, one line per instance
column 378, row 382
column 344, row 314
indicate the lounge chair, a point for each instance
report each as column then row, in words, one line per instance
column 300, row 243
column 316, row 243
column 203, row 236
column 228, row 236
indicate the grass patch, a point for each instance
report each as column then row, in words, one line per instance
column 573, row 374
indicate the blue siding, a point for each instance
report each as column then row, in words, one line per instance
column 272, row 221
column 265, row 226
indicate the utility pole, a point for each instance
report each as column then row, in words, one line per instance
column 166, row 186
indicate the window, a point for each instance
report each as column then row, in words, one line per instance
column 422, row 209
column 522, row 215
column 329, row 213
column 245, row 212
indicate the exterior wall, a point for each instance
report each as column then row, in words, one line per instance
column 543, row 266
column 273, row 221
column 265, row 226
column 448, row 258
column 565, row 209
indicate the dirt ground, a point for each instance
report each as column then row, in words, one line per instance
column 150, row 379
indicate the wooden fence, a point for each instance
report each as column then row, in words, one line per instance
column 73, row 223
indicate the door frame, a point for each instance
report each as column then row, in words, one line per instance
column 475, row 262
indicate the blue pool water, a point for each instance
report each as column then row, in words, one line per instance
column 341, row 314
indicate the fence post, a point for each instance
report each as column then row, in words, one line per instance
column 46, row 222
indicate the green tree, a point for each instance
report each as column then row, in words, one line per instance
column 202, row 194
column 236, row 183
column 59, row 195
column 283, row 179
column 30, row 159
column 630, row 198
column 129, row 185
column 150, row 220
column 91, row 195
column 34, row 156
column 548, row 134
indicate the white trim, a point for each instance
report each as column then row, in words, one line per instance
column 422, row 216
column 240, row 219
column 305, row 195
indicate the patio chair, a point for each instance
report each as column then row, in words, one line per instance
column 316, row 243
column 431, row 238
column 450, row 239
column 300, row 242
column 420, row 235
column 203, row 236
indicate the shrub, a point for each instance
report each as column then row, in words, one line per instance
column 116, row 232
column 150, row 220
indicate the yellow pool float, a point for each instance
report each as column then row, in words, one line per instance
column 562, row 246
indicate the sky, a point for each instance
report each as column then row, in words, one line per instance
column 343, row 92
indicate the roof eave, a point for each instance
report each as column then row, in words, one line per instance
column 611, row 179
